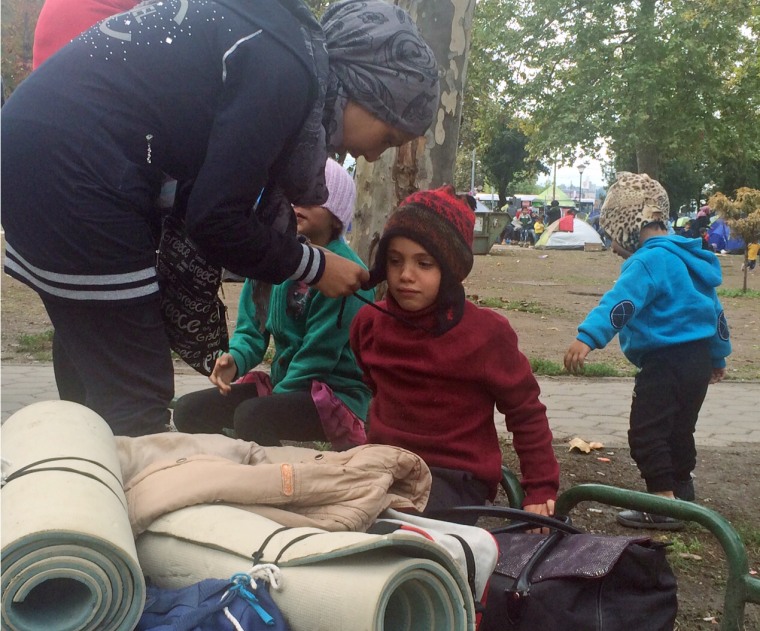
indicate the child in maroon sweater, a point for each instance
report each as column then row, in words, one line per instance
column 437, row 364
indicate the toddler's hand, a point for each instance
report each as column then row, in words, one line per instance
column 224, row 372
column 576, row 356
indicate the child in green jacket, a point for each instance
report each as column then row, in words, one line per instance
column 315, row 390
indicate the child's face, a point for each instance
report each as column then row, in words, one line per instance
column 414, row 276
column 316, row 223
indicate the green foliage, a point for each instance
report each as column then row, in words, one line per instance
column 743, row 216
column 506, row 158
column 655, row 81
column 19, row 20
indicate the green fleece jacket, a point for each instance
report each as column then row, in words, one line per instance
column 308, row 344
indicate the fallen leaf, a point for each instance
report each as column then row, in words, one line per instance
column 689, row 555
column 580, row 445
column 604, row 460
column 600, row 473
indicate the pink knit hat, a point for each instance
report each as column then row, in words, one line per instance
column 341, row 193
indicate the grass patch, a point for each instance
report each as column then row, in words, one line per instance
column 750, row 535
column 683, row 550
column 724, row 292
column 38, row 345
column 547, row 368
column 509, row 305
column 605, row 370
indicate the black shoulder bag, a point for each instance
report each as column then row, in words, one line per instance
column 569, row 580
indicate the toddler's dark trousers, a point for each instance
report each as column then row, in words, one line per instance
column 667, row 397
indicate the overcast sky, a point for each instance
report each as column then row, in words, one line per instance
column 570, row 176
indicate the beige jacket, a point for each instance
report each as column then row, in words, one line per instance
column 290, row 485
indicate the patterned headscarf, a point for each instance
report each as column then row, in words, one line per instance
column 379, row 60
column 633, row 201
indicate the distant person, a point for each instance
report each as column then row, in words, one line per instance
column 526, row 220
column 538, row 228
column 315, row 391
column 437, row 364
column 752, row 255
column 554, row 212
column 702, row 220
column 241, row 99
column 507, row 235
column 704, row 237
column 672, row 327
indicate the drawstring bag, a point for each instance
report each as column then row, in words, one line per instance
column 239, row 604
column 195, row 318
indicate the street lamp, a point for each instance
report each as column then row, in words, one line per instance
column 581, row 168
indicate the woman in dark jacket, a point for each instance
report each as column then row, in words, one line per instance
column 241, row 98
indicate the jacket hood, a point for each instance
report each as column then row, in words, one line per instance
column 702, row 264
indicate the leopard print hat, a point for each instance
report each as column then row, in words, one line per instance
column 633, row 201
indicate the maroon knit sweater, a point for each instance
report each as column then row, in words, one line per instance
column 435, row 396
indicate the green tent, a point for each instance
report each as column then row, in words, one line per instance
column 545, row 197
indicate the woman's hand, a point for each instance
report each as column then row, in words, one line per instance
column 576, row 356
column 341, row 276
column 224, row 372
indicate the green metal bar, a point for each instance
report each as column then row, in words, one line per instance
column 512, row 487
column 741, row 587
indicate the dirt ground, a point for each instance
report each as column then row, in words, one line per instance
column 545, row 295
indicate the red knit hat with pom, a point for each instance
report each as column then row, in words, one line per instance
column 439, row 220
column 443, row 223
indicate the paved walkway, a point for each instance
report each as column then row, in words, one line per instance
column 594, row 409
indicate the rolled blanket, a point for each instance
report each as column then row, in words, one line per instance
column 69, row 558
column 330, row 581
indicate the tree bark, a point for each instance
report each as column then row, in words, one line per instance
column 426, row 162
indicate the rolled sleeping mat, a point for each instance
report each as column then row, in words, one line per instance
column 69, row 557
column 330, row 581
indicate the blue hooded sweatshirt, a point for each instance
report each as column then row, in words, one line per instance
column 665, row 295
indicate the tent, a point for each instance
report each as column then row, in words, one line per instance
column 719, row 237
column 555, row 239
column 563, row 198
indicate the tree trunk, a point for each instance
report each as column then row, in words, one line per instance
column 648, row 159
column 426, row 162
column 647, row 152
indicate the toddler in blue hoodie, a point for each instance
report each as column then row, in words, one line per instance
column 672, row 327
